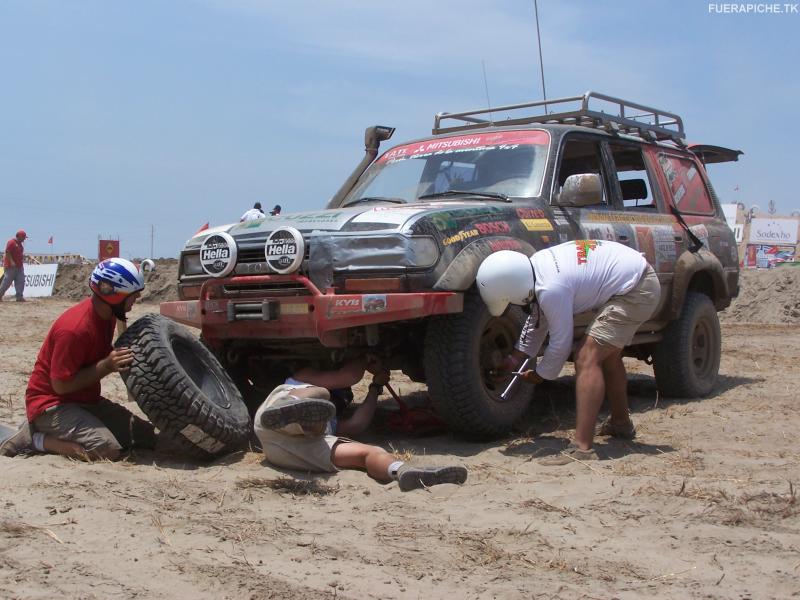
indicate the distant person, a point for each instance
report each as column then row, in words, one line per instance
column 14, row 267
column 276, row 212
column 253, row 213
column 298, row 429
column 66, row 414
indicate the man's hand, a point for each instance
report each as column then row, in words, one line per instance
column 531, row 376
column 119, row 360
column 381, row 377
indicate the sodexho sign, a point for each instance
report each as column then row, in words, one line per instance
column 284, row 250
column 773, row 231
column 218, row 254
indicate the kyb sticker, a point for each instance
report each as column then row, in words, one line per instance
column 218, row 254
column 284, row 250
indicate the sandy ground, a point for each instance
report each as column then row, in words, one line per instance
column 703, row 505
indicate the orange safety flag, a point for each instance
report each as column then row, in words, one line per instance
column 203, row 228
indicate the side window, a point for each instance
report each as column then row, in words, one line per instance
column 634, row 181
column 689, row 191
column 578, row 157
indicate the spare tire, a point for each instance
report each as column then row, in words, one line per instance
column 183, row 389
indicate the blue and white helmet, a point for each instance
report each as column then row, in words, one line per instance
column 114, row 279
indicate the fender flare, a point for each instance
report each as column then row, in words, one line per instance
column 687, row 267
column 460, row 273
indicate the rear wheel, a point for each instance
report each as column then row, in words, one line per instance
column 686, row 361
column 461, row 351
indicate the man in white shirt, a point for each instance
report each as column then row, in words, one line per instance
column 558, row 283
column 253, row 213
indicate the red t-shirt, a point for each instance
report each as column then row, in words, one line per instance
column 13, row 250
column 77, row 339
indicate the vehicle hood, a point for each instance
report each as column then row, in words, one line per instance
column 366, row 218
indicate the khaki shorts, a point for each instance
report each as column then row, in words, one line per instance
column 105, row 425
column 618, row 319
column 290, row 447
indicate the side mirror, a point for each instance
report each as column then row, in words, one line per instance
column 584, row 189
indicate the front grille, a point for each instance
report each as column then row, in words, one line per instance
column 270, row 288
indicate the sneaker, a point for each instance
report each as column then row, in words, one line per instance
column 412, row 478
column 19, row 442
column 569, row 455
column 623, row 432
column 306, row 412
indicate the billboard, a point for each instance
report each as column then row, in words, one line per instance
column 773, row 231
column 765, row 256
column 107, row 249
column 39, row 281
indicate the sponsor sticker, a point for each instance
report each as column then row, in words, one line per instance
column 493, row 227
column 537, row 224
column 375, row 303
column 497, row 245
column 347, row 304
column 284, row 250
column 460, row 237
column 218, row 254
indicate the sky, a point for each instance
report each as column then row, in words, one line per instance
column 123, row 118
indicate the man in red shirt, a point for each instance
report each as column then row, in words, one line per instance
column 66, row 413
column 14, row 268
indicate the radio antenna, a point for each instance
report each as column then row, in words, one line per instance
column 486, row 87
column 541, row 61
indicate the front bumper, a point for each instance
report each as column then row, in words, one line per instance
column 307, row 313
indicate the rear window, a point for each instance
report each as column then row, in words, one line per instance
column 689, row 192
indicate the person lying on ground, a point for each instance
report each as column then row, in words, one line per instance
column 66, row 413
column 298, row 429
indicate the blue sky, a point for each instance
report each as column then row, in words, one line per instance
column 119, row 115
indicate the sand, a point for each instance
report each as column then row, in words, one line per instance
column 703, row 504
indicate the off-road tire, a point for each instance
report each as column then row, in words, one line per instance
column 457, row 365
column 686, row 361
column 183, row 389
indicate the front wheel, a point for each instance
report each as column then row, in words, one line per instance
column 686, row 361
column 460, row 352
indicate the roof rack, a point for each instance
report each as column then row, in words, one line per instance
column 626, row 117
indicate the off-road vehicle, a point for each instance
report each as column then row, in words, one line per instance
column 389, row 265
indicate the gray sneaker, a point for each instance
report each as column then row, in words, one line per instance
column 306, row 412
column 412, row 478
column 19, row 442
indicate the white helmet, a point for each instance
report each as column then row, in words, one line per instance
column 505, row 277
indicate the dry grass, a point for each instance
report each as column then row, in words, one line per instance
column 296, row 487
column 540, row 504
column 19, row 529
column 734, row 509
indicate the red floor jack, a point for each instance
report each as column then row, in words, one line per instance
column 417, row 420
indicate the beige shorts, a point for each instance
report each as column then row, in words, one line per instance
column 290, row 447
column 105, row 425
column 618, row 319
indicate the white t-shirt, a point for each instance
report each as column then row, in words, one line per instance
column 572, row 278
column 253, row 213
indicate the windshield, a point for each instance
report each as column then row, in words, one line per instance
column 499, row 164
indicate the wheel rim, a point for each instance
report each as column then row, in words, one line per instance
column 702, row 348
column 497, row 342
column 200, row 370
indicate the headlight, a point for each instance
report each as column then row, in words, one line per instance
column 191, row 264
column 424, row 252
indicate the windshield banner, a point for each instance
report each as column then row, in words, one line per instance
column 476, row 141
